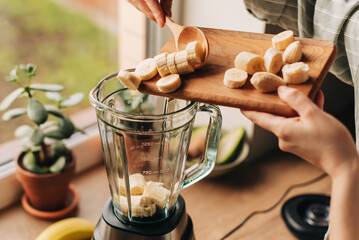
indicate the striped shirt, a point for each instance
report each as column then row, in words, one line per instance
column 334, row 20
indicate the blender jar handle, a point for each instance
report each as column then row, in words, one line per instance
column 202, row 169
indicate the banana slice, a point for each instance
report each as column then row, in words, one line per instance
column 182, row 64
column 137, row 210
column 283, row 39
column 156, row 194
column 249, row 62
column 296, row 73
column 161, row 64
column 129, row 79
column 171, row 65
column 137, row 184
column 169, row 83
column 293, row 53
column 235, row 78
column 272, row 60
column 266, row 82
column 146, row 69
column 195, row 53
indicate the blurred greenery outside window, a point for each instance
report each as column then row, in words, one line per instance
column 74, row 43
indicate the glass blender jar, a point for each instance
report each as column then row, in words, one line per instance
column 145, row 139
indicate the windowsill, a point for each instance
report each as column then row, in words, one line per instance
column 87, row 149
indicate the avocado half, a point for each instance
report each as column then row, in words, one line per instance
column 230, row 146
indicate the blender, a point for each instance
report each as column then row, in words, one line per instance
column 145, row 139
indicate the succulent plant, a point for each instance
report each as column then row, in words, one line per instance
column 43, row 149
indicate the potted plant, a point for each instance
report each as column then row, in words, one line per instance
column 44, row 165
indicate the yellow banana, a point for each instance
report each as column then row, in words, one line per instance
column 249, row 62
column 235, row 78
column 161, row 64
column 293, row 53
column 266, row 82
column 146, row 69
column 296, row 73
column 169, row 83
column 129, row 79
column 171, row 63
column 182, row 64
column 195, row 53
column 68, row 229
column 283, row 39
column 273, row 60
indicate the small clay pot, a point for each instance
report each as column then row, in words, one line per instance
column 46, row 192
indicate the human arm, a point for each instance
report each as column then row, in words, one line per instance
column 154, row 9
column 323, row 141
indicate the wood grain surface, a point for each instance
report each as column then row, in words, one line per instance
column 206, row 84
column 216, row 205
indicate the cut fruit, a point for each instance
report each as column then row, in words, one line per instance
column 230, row 146
column 198, row 141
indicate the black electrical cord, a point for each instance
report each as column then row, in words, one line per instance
column 290, row 188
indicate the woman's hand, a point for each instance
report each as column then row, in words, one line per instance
column 154, row 9
column 314, row 135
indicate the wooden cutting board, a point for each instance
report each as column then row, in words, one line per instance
column 206, row 84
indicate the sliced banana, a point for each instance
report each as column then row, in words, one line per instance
column 146, row 69
column 169, row 83
column 157, row 194
column 137, row 184
column 249, row 62
column 293, row 53
column 129, row 79
column 235, row 78
column 272, row 60
column 182, row 64
column 161, row 64
column 283, row 39
column 266, row 82
column 195, row 53
column 171, row 65
column 296, row 73
column 147, row 209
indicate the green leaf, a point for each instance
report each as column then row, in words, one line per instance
column 72, row 100
column 13, row 113
column 53, row 96
column 55, row 134
column 58, row 165
column 37, row 137
column 9, row 99
column 36, row 111
column 66, row 126
column 23, row 131
column 53, row 110
column 59, row 148
column 47, row 124
column 47, row 87
column 29, row 162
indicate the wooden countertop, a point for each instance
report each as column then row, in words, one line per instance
column 216, row 206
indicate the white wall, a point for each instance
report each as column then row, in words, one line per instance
column 225, row 14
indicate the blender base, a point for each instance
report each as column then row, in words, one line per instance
column 178, row 226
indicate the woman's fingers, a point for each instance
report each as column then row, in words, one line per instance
column 265, row 120
column 157, row 11
column 167, row 7
column 297, row 100
column 319, row 99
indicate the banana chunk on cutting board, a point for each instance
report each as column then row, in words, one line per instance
column 296, row 73
column 146, row 69
column 249, row 62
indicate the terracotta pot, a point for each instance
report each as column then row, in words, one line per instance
column 46, row 192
